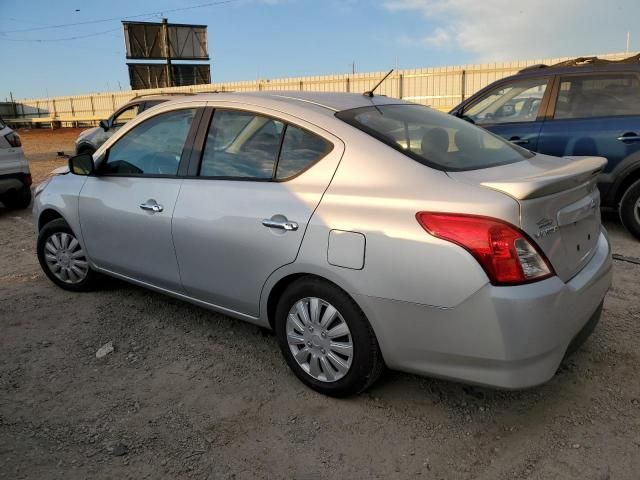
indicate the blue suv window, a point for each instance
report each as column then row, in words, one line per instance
column 517, row 101
column 611, row 94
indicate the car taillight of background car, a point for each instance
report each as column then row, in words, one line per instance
column 14, row 139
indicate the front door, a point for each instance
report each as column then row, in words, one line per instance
column 595, row 114
column 125, row 209
column 512, row 110
column 245, row 213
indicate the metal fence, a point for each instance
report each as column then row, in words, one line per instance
column 439, row 87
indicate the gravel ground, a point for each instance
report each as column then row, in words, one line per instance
column 188, row 393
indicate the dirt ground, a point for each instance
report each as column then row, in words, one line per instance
column 189, row 393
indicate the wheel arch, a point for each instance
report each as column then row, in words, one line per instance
column 85, row 147
column 276, row 285
column 627, row 180
column 48, row 215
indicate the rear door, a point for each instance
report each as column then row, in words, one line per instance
column 242, row 212
column 594, row 114
column 513, row 109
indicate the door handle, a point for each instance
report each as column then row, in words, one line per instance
column 280, row 224
column 629, row 137
column 518, row 141
column 152, row 206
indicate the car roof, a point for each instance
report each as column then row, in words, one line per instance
column 325, row 102
column 581, row 65
column 159, row 96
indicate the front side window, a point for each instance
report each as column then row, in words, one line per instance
column 509, row 103
column 434, row 138
column 152, row 148
column 241, row 145
column 124, row 116
column 583, row 96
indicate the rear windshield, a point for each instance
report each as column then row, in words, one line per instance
column 434, row 138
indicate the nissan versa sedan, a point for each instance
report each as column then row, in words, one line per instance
column 365, row 231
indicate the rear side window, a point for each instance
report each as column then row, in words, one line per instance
column 584, row 96
column 244, row 145
column 152, row 103
column 300, row 150
column 241, row 145
column 2, row 124
column 434, row 138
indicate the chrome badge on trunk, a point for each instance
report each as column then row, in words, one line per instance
column 545, row 228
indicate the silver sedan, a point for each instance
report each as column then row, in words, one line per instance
column 365, row 231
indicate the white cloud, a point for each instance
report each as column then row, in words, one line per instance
column 439, row 38
column 496, row 30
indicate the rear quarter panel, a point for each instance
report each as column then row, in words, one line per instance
column 377, row 192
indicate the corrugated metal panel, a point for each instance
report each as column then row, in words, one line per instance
column 439, row 87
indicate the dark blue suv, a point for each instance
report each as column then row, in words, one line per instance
column 585, row 106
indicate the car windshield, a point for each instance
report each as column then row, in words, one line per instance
column 434, row 138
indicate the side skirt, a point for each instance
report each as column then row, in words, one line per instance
column 210, row 306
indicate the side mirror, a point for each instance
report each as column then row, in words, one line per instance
column 105, row 125
column 81, row 164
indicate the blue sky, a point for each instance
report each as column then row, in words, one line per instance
column 277, row 38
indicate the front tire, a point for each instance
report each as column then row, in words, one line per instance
column 630, row 209
column 63, row 259
column 326, row 339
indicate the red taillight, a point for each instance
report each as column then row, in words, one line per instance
column 13, row 139
column 28, row 180
column 505, row 253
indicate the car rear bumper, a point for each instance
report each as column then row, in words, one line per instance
column 13, row 182
column 506, row 337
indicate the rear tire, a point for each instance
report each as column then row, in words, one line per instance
column 356, row 349
column 630, row 209
column 62, row 258
column 18, row 200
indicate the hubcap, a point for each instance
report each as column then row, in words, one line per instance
column 319, row 339
column 65, row 258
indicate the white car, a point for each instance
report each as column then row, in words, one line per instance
column 15, row 177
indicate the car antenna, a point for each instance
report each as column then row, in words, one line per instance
column 369, row 93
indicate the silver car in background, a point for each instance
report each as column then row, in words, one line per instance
column 15, row 176
column 91, row 139
column 365, row 231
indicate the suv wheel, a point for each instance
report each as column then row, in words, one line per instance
column 18, row 200
column 326, row 339
column 630, row 209
column 63, row 259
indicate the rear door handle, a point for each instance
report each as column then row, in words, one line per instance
column 629, row 137
column 518, row 141
column 280, row 224
column 152, row 206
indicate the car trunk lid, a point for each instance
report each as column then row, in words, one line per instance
column 559, row 204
